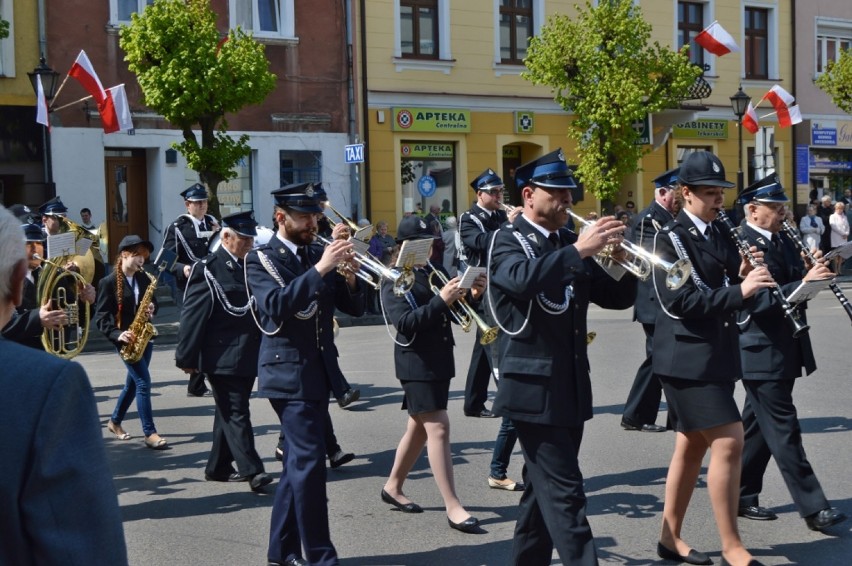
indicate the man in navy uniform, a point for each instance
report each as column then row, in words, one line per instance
column 189, row 238
column 772, row 360
column 643, row 401
column 475, row 229
column 218, row 336
column 297, row 287
column 542, row 280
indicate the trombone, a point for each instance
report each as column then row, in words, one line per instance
column 462, row 312
column 639, row 261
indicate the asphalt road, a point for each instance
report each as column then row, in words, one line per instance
column 173, row 517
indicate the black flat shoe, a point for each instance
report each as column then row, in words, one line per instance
column 404, row 507
column 652, row 427
column 469, row 525
column 694, row 557
column 258, row 481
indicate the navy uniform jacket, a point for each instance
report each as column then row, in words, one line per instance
column 475, row 227
column 643, row 228
column 196, row 247
column 701, row 344
column 768, row 349
column 106, row 309
column 298, row 361
column 211, row 338
column 58, row 503
column 426, row 329
column 544, row 375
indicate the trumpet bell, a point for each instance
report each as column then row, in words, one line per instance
column 678, row 273
column 489, row 335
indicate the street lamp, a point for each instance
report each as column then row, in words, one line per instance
column 739, row 103
column 49, row 78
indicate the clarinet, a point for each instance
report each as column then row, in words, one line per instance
column 844, row 302
column 789, row 310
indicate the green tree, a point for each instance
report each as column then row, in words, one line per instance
column 4, row 28
column 194, row 77
column 600, row 67
column 836, row 81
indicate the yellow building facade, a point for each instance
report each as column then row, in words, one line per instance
column 440, row 110
column 18, row 52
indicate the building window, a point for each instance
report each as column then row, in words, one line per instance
column 121, row 10
column 690, row 22
column 756, row 43
column 264, row 18
column 419, row 23
column 7, row 46
column 831, row 41
column 516, row 29
column 301, row 167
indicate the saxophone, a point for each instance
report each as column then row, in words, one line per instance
column 141, row 327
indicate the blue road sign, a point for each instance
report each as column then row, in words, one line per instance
column 355, row 153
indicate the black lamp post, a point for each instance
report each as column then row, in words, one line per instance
column 49, row 78
column 739, row 103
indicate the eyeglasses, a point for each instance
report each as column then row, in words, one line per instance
column 493, row 191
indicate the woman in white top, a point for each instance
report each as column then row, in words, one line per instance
column 839, row 231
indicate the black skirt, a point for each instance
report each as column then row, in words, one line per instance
column 699, row 405
column 425, row 396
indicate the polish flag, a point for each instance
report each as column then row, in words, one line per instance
column 716, row 40
column 779, row 98
column 115, row 111
column 83, row 71
column 788, row 116
column 41, row 105
column 750, row 119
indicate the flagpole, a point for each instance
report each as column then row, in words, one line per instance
column 70, row 104
column 58, row 91
column 768, row 115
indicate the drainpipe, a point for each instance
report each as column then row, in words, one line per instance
column 365, row 119
column 795, row 81
column 354, row 177
column 42, row 34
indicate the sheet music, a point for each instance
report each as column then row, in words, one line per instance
column 470, row 274
column 60, row 245
column 414, row 252
column 360, row 246
column 83, row 245
column 808, row 290
column 364, row 234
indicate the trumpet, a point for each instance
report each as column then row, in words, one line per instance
column 371, row 267
column 58, row 286
column 639, row 261
column 462, row 312
column 353, row 226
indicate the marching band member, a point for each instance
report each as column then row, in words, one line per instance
column 772, row 360
column 475, row 229
column 542, row 280
column 643, row 401
column 189, row 237
column 119, row 297
column 694, row 362
column 297, row 286
column 423, row 359
column 218, row 336
column 30, row 319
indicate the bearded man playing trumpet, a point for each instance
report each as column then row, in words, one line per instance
column 297, row 285
column 542, row 280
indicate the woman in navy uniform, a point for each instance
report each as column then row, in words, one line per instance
column 772, row 361
column 297, row 287
column 695, row 360
column 119, row 294
column 423, row 359
column 542, row 281
column 219, row 337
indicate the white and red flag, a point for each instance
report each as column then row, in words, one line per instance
column 84, row 72
column 779, row 98
column 41, row 104
column 789, row 115
column 716, row 40
column 750, row 119
column 115, row 111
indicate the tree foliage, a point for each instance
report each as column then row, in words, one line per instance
column 4, row 28
column 194, row 77
column 601, row 68
column 836, row 81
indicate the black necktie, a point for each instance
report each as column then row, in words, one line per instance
column 776, row 241
column 554, row 239
column 302, row 252
column 708, row 233
column 202, row 227
column 813, row 222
